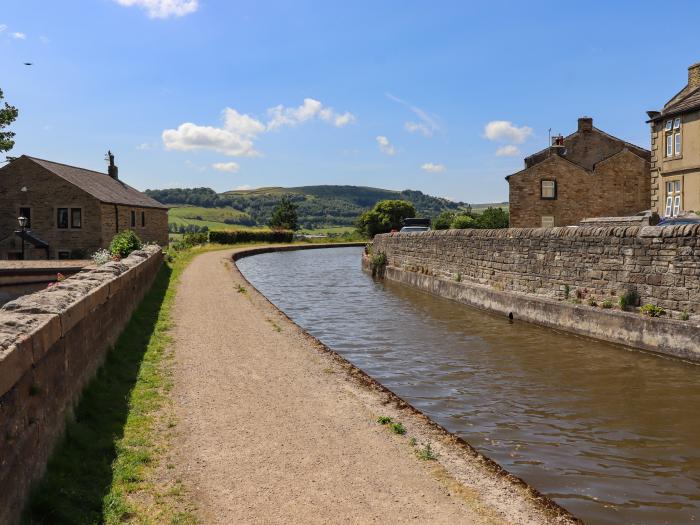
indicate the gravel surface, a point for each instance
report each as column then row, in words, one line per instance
column 274, row 428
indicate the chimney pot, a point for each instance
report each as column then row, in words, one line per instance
column 694, row 76
column 585, row 124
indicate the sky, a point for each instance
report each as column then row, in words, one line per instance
column 443, row 97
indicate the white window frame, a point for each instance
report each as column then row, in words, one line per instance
column 669, row 145
column 674, row 200
column 550, row 185
column 677, row 143
column 677, row 123
column 669, row 125
column 547, row 221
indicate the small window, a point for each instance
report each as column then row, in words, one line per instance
column 548, row 189
column 76, row 218
column 133, row 219
column 669, row 125
column 676, row 205
column 62, row 218
column 669, row 146
column 677, row 186
column 669, row 206
column 63, row 254
column 678, row 143
column 26, row 212
column 143, row 219
column 547, row 221
column 669, row 187
column 677, row 123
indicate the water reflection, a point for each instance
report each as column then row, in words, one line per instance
column 611, row 434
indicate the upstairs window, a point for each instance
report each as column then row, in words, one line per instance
column 673, row 137
column 62, row 218
column 669, row 145
column 548, row 189
column 677, row 123
column 669, row 125
column 677, row 143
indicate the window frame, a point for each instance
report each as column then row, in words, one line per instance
column 133, row 218
column 669, row 145
column 143, row 218
column 59, row 251
column 677, row 123
column 28, row 216
column 79, row 209
column 553, row 188
column 677, row 144
column 58, row 222
column 674, row 198
column 542, row 221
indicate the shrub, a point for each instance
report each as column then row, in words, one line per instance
column 397, row 428
column 427, row 453
column 629, row 298
column 377, row 262
column 192, row 239
column 607, row 303
column 463, row 222
column 239, row 236
column 684, row 315
column 124, row 243
column 592, row 301
column 383, row 420
column 458, row 277
column 443, row 221
column 651, row 310
column 101, row 257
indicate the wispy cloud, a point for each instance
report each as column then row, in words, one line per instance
column 230, row 167
column 505, row 131
column 163, row 8
column 385, row 146
column 19, row 36
column 429, row 123
column 3, row 27
column 236, row 136
column 507, row 151
column 433, row 168
column 44, row 39
column 145, row 146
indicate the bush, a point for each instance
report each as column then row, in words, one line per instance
column 443, row 221
column 463, row 222
column 651, row 310
column 124, row 243
column 239, row 236
column 192, row 239
column 629, row 298
column 386, row 215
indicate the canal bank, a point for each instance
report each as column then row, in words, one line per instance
column 275, row 427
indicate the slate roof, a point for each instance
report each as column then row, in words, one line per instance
column 684, row 102
column 100, row 185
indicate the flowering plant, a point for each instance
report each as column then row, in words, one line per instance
column 101, row 257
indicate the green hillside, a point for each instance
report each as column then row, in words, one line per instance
column 319, row 207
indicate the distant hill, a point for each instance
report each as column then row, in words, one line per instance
column 319, row 206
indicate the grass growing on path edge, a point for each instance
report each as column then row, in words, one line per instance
column 102, row 471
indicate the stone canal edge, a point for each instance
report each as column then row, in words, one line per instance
column 275, row 427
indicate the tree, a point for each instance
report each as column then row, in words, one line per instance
column 8, row 114
column 386, row 215
column 493, row 218
column 284, row 216
column 443, row 221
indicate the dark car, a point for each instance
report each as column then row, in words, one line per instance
column 672, row 221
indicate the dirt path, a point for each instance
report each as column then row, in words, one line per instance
column 273, row 430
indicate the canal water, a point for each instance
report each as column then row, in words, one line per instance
column 611, row 434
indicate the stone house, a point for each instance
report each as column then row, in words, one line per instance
column 586, row 174
column 71, row 211
column 675, row 151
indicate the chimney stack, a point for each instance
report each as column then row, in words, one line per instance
column 112, row 170
column 694, row 76
column 585, row 124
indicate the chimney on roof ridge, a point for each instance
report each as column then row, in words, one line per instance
column 112, row 170
column 694, row 76
column 585, row 124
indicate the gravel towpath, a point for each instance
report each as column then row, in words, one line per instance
column 273, row 430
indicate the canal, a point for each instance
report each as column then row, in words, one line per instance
column 611, row 434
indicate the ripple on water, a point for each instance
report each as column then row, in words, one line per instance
column 611, row 434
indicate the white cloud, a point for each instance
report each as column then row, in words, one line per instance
column 44, row 39
column 507, row 151
column 231, row 167
column 2, row 27
column 433, row 168
column 281, row 116
column 18, row 36
column 237, row 134
column 385, row 146
column 145, row 146
column 163, row 8
column 505, row 131
column 428, row 124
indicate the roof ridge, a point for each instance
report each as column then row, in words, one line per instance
column 67, row 165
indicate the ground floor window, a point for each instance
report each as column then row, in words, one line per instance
column 63, row 254
column 143, row 219
column 133, row 219
column 548, row 221
column 76, row 218
column 62, row 218
column 673, row 198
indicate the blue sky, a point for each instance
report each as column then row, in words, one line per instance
column 393, row 94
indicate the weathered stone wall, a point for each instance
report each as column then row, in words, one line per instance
column 662, row 264
column 154, row 227
column 51, row 344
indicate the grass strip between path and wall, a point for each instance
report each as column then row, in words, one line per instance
column 103, row 470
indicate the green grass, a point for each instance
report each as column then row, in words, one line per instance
column 397, row 428
column 384, row 420
column 212, row 218
column 100, row 471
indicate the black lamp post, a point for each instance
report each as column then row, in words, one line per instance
column 22, row 224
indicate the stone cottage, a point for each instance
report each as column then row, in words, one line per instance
column 675, row 151
column 586, row 174
column 71, row 212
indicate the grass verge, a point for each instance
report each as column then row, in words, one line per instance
column 102, row 470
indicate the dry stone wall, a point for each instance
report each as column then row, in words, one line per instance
column 51, row 344
column 662, row 264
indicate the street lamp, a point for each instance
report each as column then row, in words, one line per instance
column 22, row 224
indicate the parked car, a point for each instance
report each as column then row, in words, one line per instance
column 415, row 229
column 683, row 219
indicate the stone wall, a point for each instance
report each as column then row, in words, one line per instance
column 153, row 229
column 51, row 344
column 662, row 264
